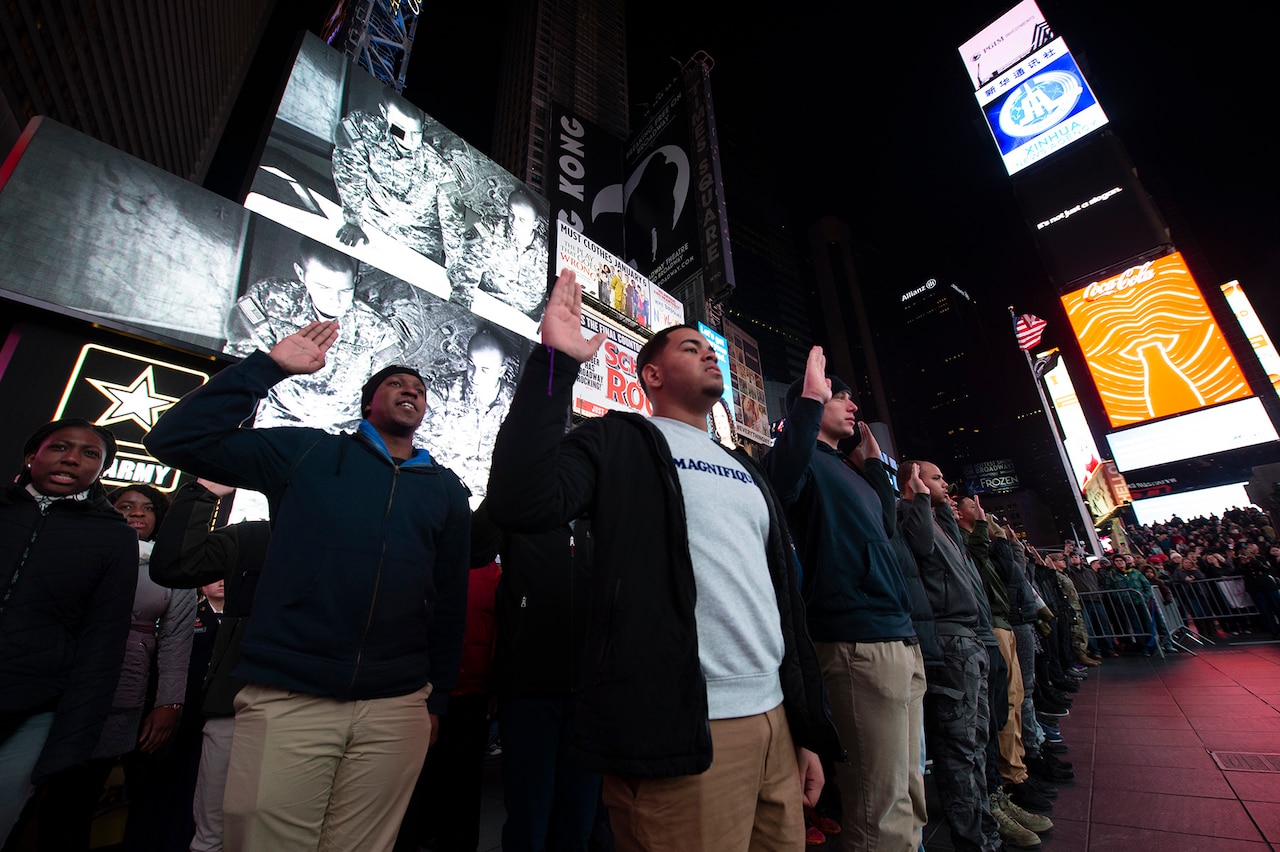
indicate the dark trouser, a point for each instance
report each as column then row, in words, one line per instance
column 998, row 714
column 70, row 797
column 956, row 730
column 446, row 800
column 1026, row 639
column 551, row 804
column 1098, row 624
column 161, row 789
column 1268, row 603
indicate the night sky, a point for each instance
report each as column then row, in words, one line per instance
column 868, row 114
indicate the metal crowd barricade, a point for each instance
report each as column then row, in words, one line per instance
column 1215, row 607
column 1175, row 628
column 1114, row 614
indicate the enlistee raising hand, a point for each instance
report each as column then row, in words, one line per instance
column 562, row 320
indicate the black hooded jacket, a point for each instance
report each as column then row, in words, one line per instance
column 643, row 707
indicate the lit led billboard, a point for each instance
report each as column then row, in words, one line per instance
column 1039, row 106
column 356, row 167
column 1212, row 430
column 1077, row 438
column 747, row 377
column 1007, row 40
column 613, row 284
column 365, row 210
column 1259, row 340
column 609, row 381
column 1151, row 344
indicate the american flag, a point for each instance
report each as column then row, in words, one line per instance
column 1029, row 329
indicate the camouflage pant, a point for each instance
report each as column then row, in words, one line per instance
column 956, row 716
column 1032, row 736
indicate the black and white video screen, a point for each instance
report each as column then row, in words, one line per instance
column 355, row 166
column 468, row 364
column 87, row 229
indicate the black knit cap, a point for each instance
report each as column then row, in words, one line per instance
column 38, row 437
column 797, row 387
column 376, row 380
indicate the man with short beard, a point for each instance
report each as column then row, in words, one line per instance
column 703, row 702
column 356, row 633
column 955, row 705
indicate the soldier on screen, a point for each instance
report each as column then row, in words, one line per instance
column 507, row 257
column 322, row 287
column 466, row 409
column 390, row 179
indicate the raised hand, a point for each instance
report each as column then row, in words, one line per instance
column 562, row 320
column 816, row 384
column 915, row 485
column 977, row 505
column 303, row 352
column 868, row 447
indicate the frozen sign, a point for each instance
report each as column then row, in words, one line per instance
column 609, row 381
column 1039, row 106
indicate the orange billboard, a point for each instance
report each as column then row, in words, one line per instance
column 1151, row 343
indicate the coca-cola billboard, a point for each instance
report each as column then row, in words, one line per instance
column 1151, row 344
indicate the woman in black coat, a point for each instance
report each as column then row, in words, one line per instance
column 68, row 568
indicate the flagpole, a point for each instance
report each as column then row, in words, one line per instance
column 1090, row 532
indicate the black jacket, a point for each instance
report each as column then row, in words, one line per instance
column 189, row 554
column 541, row 608
column 364, row 591
column 1011, row 561
column 913, row 520
column 854, row 589
column 67, row 579
column 643, row 708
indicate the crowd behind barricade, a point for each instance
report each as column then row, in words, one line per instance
column 1201, row 580
column 685, row 647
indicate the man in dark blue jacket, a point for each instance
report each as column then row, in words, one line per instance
column 842, row 511
column 359, row 612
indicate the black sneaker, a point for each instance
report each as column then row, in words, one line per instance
column 1041, row 769
column 1056, row 762
column 1028, row 799
column 1041, row 786
column 1053, row 710
column 1059, row 747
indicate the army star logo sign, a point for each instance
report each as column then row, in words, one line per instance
column 138, row 402
column 127, row 393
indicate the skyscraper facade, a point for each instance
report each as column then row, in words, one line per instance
column 570, row 52
column 153, row 78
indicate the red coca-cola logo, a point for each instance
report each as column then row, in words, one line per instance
column 1130, row 277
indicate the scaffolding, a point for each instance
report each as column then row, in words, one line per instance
column 379, row 37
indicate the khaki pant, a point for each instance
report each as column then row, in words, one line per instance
column 1009, row 739
column 321, row 774
column 748, row 800
column 877, row 692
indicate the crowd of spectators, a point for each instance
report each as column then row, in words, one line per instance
column 1215, row 576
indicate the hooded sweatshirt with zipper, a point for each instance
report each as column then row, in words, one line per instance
column 363, row 593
